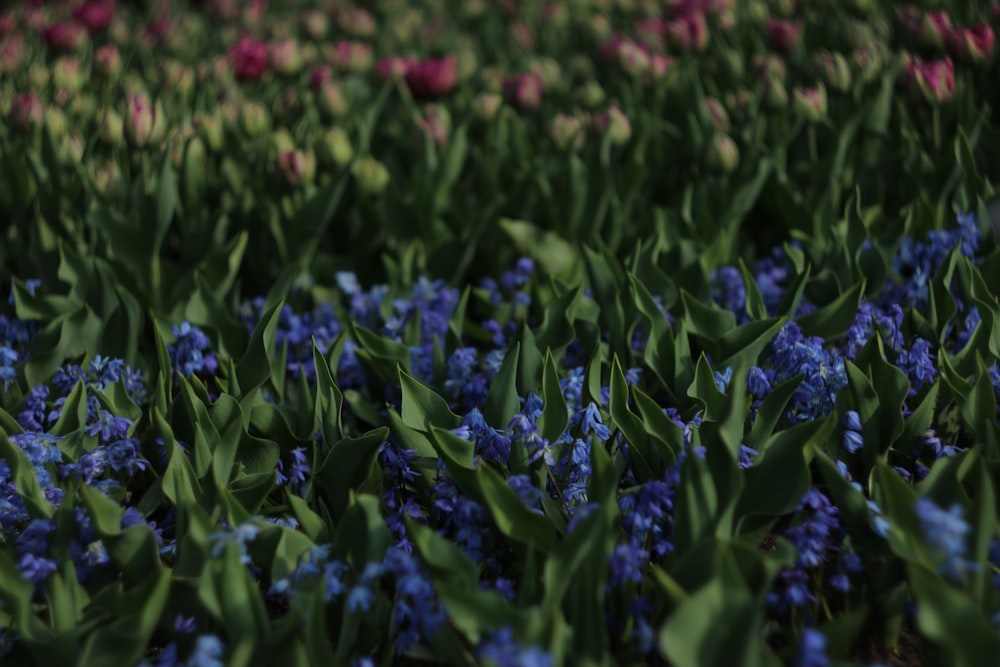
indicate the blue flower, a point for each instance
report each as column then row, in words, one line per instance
column 853, row 440
column 812, row 649
column 499, row 648
column 945, row 531
column 589, row 421
column 208, row 651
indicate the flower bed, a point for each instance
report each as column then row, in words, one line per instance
column 528, row 334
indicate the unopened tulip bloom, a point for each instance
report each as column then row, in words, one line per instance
column 347, row 56
column 932, row 81
column 335, row 148
column 107, row 61
column 833, row 69
column 486, row 105
column 285, row 56
column 615, row 124
column 810, row 103
column 784, row 35
column 332, row 102
column 249, row 58
column 429, row 79
column 722, row 154
column 254, row 119
column 934, row 30
column 95, row 15
column 524, row 91
column 688, row 33
column 974, row 44
column 297, row 167
column 143, row 123
column 370, row 175
column 64, row 36
column 357, row 22
column 26, row 111
column 567, row 132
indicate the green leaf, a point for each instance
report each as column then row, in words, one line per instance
column 254, row 368
column 420, row 405
column 502, row 401
column 511, row 516
column 952, row 620
column 338, row 474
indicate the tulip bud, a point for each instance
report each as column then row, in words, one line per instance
column 689, row 33
column 332, row 102
column 107, row 61
column 868, row 64
column 833, row 69
column 281, row 140
column 370, row 175
column 493, row 79
column 140, row 121
column 567, row 132
column 335, row 148
column 66, row 74
column 315, row 23
column 106, row 179
column 739, row 103
column 659, row 67
column 254, row 119
column 55, row 120
column 633, row 59
column 784, row 35
column 296, row 167
column 934, row 30
column 436, row 124
column 177, row 143
column 38, row 76
column 932, row 82
column 973, row 45
column 486, row 105
column 466, row 62
column 616, row 124
column 722, row 154
column 193, row 181
column 285, row 56
column 525, row 91
column 346, row 56
column 810, row 103
column 599, row 27
column 357, row 22
column 775, row 95
column 111, row 128
column 717, row 114
column 209, row 127
column 26, row 111
column 590, row 95
column 548, row 72
column 71, row 147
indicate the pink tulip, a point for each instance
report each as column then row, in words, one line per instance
column 64, row 36
column 95, row 15
column 524, row 91
column 26, row 111
column 784, row 35
column 974, row 44
column 689, row 33
column 249, row 58
column 432, row 78
column 933, row 81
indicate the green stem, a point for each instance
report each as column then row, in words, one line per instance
column 813, row 151
column 936, row 115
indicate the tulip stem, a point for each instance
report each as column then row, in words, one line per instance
column 936, row 120
column 813, row 151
